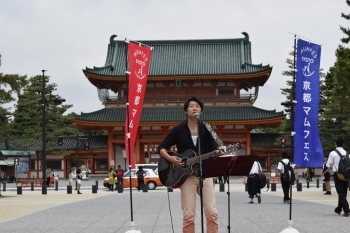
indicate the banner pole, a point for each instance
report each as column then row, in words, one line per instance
column 132, row 224
column 292, row 115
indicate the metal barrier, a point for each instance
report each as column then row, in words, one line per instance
column 94, row 189
column 145, row 188
column 120, row 188
column 222, row 187
column 19, row 190
column 273, row 187
column 299, row 187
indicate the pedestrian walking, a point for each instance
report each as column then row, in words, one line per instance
column 327, row 176
column 79, row 179
column 140, row 178
column 71, row 177
column 111, row 179
column 253, row 182
column 340, row 186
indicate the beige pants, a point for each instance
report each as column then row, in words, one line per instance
column 189, row 189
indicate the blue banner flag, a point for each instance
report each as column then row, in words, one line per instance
column 308, row 151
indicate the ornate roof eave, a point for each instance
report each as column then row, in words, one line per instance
column 263, row 75
column 275, row 149
column 108, row 125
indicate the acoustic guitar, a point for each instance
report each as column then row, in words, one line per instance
column 173, row 176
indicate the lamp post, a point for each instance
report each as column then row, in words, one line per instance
column 1, row 158
column 43, row 102
column 43, row 124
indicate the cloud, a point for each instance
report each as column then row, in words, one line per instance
column 64, row 36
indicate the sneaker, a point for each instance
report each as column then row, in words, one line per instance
column 287, row 202
column 259, row 199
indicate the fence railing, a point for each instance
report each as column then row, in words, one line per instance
column 165, row 98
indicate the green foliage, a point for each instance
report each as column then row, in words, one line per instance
column 76, row 162
column 285, row 127
column 27, row 123
column 275, row 160
column 334, row 120
column 10, row 84
column 345, row 30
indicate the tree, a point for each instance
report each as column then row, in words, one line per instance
column 27, row 123
column 345, row 30
column 10, row 84
column 335, row 94
column 287, row 126
column 329, row 126
column 335, row 122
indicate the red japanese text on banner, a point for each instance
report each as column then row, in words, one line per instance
column 139, row 59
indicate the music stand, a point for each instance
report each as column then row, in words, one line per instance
column 232, row 165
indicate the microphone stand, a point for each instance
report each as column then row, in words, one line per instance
column 200, row 172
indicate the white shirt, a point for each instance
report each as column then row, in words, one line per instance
column 71, row 177
column 256, row 168
column 334, row 158
column 281, row 166
column 194, row 139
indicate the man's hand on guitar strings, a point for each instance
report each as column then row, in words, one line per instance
column 176, row 161
column 219, row 152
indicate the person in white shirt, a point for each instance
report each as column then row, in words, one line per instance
column 340, row 186
column 253, row 182
column 285, row 185
column 71, row 177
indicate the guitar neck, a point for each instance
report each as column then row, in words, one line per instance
column 204, row 157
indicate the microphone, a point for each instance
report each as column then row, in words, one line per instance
column 196, row 114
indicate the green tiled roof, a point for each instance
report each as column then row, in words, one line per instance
column 100, row 142
column 176, row 114
column 69, row 143
column 265, row 139
column 186, row 57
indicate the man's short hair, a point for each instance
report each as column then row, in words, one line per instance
column 193, row 98
column 284, row 155
column 339, row 142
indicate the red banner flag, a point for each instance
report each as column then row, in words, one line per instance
column 139, row 59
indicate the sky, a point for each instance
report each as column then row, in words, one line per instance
column 64, row 37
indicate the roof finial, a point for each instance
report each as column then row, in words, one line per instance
column 246, row 35
column 111, row 39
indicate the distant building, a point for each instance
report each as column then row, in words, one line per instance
column 219, row 71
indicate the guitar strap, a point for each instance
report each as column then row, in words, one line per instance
column 213, row 134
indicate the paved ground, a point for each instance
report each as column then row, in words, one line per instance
column 154, row 213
